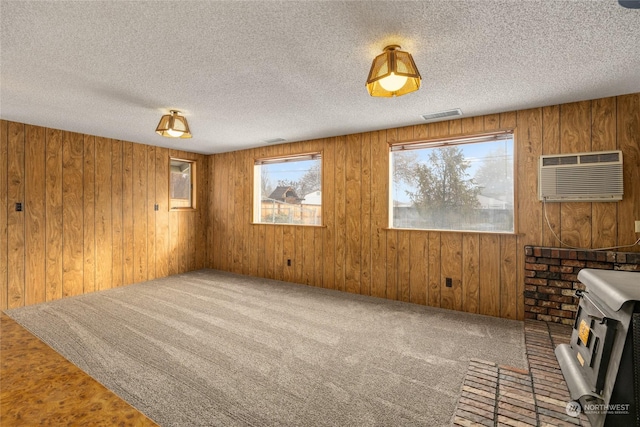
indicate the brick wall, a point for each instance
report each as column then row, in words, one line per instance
column 551, row 279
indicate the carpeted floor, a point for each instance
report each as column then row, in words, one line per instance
column 209, row 348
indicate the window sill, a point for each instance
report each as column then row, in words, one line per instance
column 507, row 233
column 290, row 225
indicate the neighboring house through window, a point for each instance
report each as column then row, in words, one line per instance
column 281, row 188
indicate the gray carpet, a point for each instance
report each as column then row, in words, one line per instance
column 209, row 348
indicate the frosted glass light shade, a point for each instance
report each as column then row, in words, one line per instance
column 173, row 125
column 393, row 73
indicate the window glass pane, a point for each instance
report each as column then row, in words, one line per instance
column 288, row 190
column 459, row 186
column 180, row 184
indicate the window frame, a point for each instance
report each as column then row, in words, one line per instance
column 455, row 140
column 192, row 175
column 257, row 184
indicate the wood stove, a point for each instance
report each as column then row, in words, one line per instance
column 601, row 365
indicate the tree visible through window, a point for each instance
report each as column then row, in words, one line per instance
column 464, row 185
column 288, row 190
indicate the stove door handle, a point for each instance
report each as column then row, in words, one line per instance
column 602, row 317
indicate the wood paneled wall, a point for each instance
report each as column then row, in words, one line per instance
column 356, row 252
column 88, row 221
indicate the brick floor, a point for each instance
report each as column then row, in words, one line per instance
column 494, row 395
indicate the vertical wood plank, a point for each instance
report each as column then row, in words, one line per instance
column 233, row 251
column 365, row 215
column 508, row 267
column 139, row 212
column 308, row 260
column 403, row 267
column 551, row 145
column 268, row 253
column 278, row 252
column 472, row 124
column 420, row 132
column 392, row 265
column 72, row 214
column 455, row 127
column 379, row 212
column 117, row 252
column 103, row 236
column 89, row 212
column 35, row 228
column 210, row 213
column 4, row 170
column 471, row 272
column 219, row 214
column 529, row 148
column 162, row 214
column 15, row 220
column 261, row 248
column 298, row 261
column 451, row 267
column 490, row 274
column 340, row 214
column 508, row 120
column 352, row 213
column 128, row 235
column 519, row 278
column 248, row 219
column 418, row 267
column 328, row 213
column 238, row 220
column 151, row 212
column 491, row 122
column 604, row 227
column 53, row 212
column 434, row 269
column 438, row 129
column 628, row 133
column 318, row 257
column 575, row 137
column 288, row 252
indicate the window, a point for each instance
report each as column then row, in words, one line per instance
column 182, row 184
column 288, row 190
column 463, row 185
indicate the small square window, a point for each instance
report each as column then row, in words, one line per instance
column 182, row 184
column 288, row 190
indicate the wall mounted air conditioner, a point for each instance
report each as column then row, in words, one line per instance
column 581, row 177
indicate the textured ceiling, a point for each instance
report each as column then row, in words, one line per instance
column 246, row 72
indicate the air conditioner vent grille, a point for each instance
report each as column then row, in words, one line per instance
column 562, row 160
column 581, row 177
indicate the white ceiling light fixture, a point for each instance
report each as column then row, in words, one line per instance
column 393, row 73
column 173, row 125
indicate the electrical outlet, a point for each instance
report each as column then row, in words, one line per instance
column 448, row 282
column 637, row 226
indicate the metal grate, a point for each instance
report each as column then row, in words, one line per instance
column 442, row 115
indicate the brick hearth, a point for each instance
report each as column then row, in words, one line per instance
column 551, row 279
